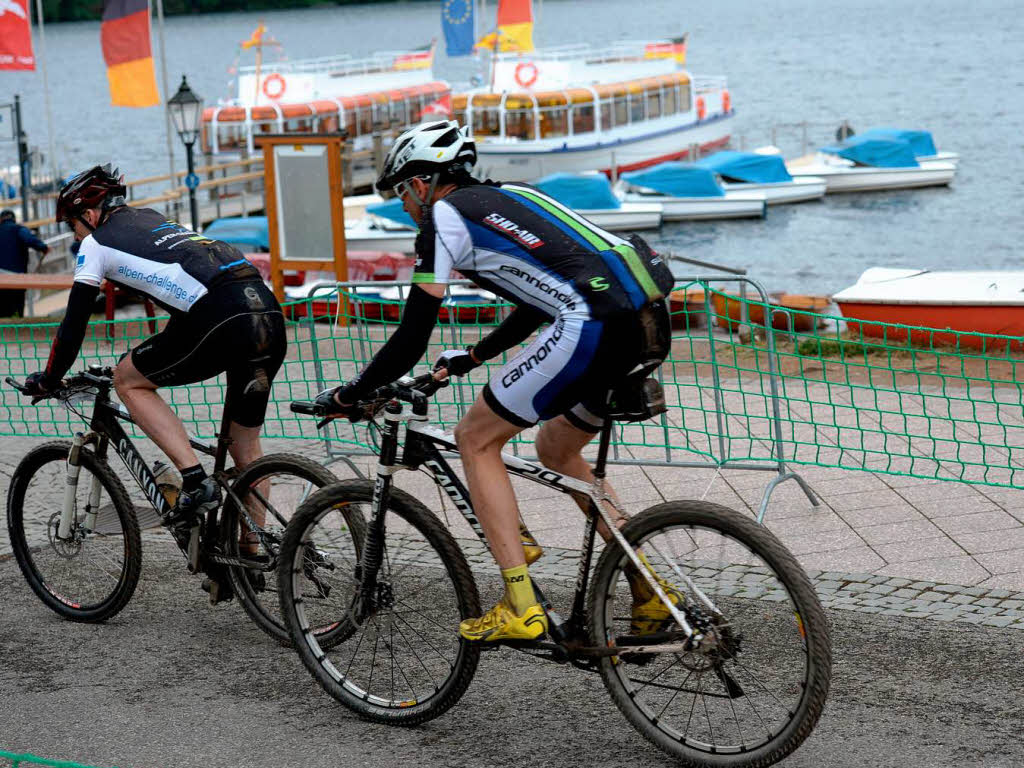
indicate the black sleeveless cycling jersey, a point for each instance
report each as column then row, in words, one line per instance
column 532, row 250
column 139, row 249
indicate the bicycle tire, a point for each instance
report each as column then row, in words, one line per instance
column 738, row 589
column 262, row 605
column 418, row 551
column 29, row 549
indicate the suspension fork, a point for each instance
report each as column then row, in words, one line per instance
column 74, row 471
column 373, row 546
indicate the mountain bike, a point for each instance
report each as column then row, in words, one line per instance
column 738, row 676
column 75, row 533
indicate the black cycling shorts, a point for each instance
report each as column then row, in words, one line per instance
column 237, row 329
column 572, row 364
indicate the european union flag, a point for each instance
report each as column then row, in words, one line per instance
column 457, row 22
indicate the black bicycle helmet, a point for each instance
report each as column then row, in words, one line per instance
column 99, row 187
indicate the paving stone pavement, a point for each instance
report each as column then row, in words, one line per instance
column 877, row 544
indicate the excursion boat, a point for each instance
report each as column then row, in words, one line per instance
column 591, row 196
column 989, row 302
column 688, row 193
column 324, row 95
column 753, row 172
column 866, row 164
column 577, row 108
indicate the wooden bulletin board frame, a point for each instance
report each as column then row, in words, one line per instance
column 339, row 260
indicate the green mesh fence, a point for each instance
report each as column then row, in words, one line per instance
column 886, row 398
column 11, row 760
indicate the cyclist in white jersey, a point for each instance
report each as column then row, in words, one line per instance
column 602, row 298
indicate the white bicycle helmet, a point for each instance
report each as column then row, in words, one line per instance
column 425, row 150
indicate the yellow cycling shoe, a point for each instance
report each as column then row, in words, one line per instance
column 652, row 616
column 502, row 623
column 532, row 549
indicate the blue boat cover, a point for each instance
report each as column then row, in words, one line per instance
column 879, row 153
column 920, row 141
column 244, row 232
column 392, row 209
column 587, row 191
column 677, row 180
column 747, row 166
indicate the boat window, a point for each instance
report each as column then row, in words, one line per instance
column 583, row 118
column 458, row 115
column 365, row 121
column 636, row 107
column 621, row 109
column 668, row 99
column 397, row 110
column 607, row 114
column 653, row 102
column 554, row 121
column 519, row 124
column 684, row 97
column 486, row 121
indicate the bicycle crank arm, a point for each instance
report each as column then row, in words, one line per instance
column 241, row 562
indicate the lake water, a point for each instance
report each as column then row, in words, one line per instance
column 954, row 68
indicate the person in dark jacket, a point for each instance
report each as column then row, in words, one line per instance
column 15, row 242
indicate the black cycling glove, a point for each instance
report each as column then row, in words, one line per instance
column 458, row 362
column 40, row 383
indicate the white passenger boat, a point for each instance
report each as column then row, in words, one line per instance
column 865, row 164
column 578, row 109
column 377, row 233
column 753, row 172
column 591, row 196
column 324, row 95
column 688, row 193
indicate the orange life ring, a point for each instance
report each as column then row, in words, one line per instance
column 530, row 78
column 726, row 102
column 701, row 108
column 278, row 91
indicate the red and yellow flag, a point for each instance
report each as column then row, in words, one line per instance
column 420, row 58
column 124, row 34
column 515, row 28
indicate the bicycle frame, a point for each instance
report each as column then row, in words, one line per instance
column 423, row 446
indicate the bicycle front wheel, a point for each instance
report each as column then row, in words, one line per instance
column 271, row 489
column 91, row 574
column 754, row 687
column 402, row 661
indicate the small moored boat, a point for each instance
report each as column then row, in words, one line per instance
column 921, row 143
column 688, row 193
column 591, row 196
column 753, row 172
column 864, row 164
column 983, row 302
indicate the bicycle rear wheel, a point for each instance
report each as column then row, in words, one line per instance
column 272, row 489
column 91, row 575
column 754, row 688
column 402, row 662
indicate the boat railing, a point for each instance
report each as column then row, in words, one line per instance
column 622, row 50
column 795, row 138
column 339, row 66
column 709, row 83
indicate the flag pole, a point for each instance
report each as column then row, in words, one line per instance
column 54, row 179
column 167, row 93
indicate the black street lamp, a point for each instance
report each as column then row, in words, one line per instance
column 186, row 111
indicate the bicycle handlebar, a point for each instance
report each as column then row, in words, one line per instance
column 410, row 390
column 93, row 376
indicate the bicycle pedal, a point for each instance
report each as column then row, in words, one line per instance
column 219, row 593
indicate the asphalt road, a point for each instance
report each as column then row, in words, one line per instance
column 174, row 682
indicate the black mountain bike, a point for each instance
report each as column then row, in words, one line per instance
column 74, row 529
column 737, row 677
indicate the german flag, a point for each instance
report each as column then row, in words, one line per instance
column 515, row 28
column 124, row 35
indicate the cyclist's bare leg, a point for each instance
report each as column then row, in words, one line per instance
column 559, row 446
column 481, row 435
column 245, row 448
column 152, row 414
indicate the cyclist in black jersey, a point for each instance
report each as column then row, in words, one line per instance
column 601, row 297
column 223, row 320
